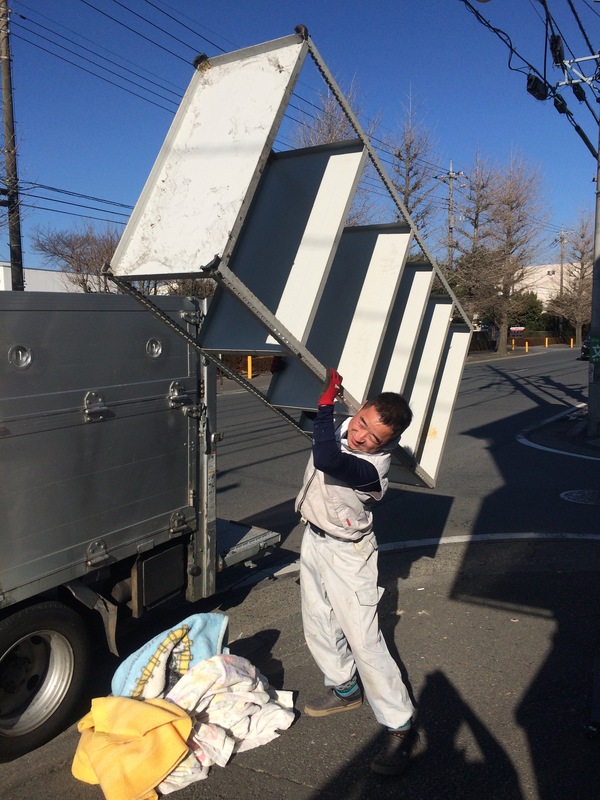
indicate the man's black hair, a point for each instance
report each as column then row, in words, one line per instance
column 393, row 411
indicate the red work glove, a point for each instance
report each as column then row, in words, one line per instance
column 331, row 388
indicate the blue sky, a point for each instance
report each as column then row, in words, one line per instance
column 80, row 133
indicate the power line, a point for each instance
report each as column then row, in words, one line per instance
column 581, row 28
column 96, row 44
column 94, row 53
column 90, row 72
column 75, row 194
column 70, row 203
column 133, row 30
column 170, row 16
column 106, row 69
column 79, row 215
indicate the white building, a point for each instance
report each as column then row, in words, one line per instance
column 37, row 280
column 543, row 279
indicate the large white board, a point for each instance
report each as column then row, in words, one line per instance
column 193, row 204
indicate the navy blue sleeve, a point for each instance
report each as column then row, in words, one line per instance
column 328, row 457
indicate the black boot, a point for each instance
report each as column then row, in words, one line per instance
column 393, row 757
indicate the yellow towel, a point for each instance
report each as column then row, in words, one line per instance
column 130, row 746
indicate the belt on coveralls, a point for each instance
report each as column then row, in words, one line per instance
column 323, row 534
column 316, row 530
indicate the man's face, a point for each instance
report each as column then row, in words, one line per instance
column 366, row 432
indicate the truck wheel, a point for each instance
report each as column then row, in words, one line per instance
column 44, row 657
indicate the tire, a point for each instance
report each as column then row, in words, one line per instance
column 44, row 658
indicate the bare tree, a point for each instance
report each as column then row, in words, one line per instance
column 514, row 225
column 80, row 254
column 326, row 124
column 471, row 275
column 413, row 168
column 499, row 240
column 575, row 301
column 329, row 124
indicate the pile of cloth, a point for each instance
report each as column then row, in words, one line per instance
column 179, row 705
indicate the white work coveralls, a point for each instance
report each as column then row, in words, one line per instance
column 340, row 592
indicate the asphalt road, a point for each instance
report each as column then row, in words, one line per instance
column 498, row 633
column 488, row 483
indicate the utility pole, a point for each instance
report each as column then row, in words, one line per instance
column 561, row 240
column 593, row 427
column 10, row 155
column 562, row 262
column 449, row 178
column 593, row 418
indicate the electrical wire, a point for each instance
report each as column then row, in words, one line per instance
column 33, row 185
column 94, row 53
column 78, row 34
column 386, row 149
column 133, row 30
column 79, row 215
column 90, row 72
column 505, row 38
column 106, row 69
column 187, row 27
column 581, row 28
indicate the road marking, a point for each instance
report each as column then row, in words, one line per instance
column 415, row 544
column 522, row 436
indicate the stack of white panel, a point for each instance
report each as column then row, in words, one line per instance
column 347, row 297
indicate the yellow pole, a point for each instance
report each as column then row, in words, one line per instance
column 513, row 344
column 249, row 368
column 546, row 341
column 526, row 347
column 571, row 344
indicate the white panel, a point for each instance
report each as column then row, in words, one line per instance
column 288, row 244
column 424, row 368
column 203, row 179
column 372, row 312
column 298, row 303
column 434, row 435
column 350, row 322
column 403, row 329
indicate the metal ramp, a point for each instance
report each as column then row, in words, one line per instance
column 294, row 279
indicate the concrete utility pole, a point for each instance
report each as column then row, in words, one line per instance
column 593, row 423
column 10, row 155
column 449, row 178
column 594, row 378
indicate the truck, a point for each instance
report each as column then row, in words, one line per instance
column 108, row 441
column 108, row 429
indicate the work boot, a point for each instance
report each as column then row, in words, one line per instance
column 332, row 703
column 393, row 757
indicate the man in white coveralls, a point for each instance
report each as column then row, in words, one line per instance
column 346, row 472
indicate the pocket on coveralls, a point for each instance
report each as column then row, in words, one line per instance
column 369, row 623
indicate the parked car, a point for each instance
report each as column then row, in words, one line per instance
column 585, row 349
